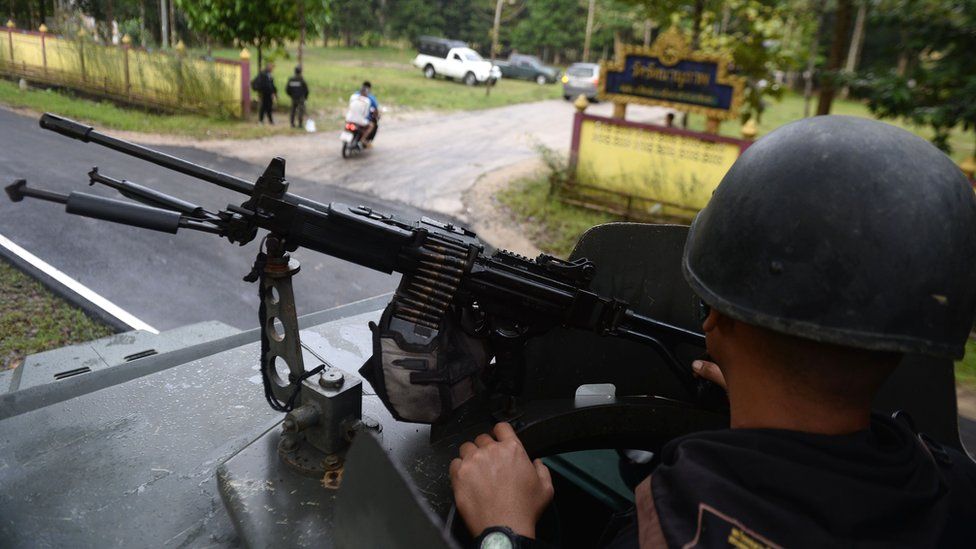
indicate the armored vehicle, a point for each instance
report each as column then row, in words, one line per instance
column 300, row 433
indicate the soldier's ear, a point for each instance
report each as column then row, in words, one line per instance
column 711, row 320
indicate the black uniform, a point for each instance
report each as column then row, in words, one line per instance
column 766, row 488
column 264, row 84
column 298, row 91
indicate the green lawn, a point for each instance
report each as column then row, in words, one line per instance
column 333, row 74
column 790, row 108
column 966, row 368
column 32, row 319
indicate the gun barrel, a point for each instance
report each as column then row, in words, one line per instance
column 88, row 134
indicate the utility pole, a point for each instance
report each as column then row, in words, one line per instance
column 494, row 42
column 589, row 30
column 164, row 24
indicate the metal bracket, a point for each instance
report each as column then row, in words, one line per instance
column 317, row 432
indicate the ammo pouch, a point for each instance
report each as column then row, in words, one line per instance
column 421, row 374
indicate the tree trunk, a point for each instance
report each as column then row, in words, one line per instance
column 494, row 39
column 812, row 59
column 727, row 16
column 301, row 37
column 260, row 57
column 857, row 44
column 842, row 29
column 902, row 54
column 589, row 30
column 648, row 27
column 109, row 16
column 163, row 25
column 172, row 23
column 696, row 22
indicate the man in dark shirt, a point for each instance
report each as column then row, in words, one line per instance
column 298, row 91
column 264, row 85
column 832, row 247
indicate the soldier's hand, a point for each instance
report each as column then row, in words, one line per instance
column 495, row 483
column 709, row 371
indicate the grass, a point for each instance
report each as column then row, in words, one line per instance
column 966, row 368
column 106, row 115
column 32, row 319
column 333, row 74
column 790, row 108
column 553, row 226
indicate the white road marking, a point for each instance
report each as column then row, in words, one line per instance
column 77, row 287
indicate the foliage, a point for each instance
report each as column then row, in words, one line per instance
column 755, row 33
column 260, row 24
column 936, row 83
column 32, row 319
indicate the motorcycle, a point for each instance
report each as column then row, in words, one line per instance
column 352, row 139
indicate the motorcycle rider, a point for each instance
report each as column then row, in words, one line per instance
column 364, row 110
column 833, row 247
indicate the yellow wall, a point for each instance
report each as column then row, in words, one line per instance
column 156, row 79
column 658, row 166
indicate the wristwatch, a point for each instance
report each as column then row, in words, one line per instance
column 502, row 537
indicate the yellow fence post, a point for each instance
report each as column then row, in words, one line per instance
column 43, row 30
column 126, row 40
column 81, row 53
column 619, row 110
column 10, row 38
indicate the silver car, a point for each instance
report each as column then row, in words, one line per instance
column 581, row 79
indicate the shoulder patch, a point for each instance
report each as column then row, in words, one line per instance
column 716, row 529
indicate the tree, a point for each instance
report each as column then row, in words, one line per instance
column 259, row 24
column 550, row 27
column 838, row 46
column 935, row 83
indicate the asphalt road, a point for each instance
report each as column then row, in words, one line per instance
column 429, row 160
column 165, row 280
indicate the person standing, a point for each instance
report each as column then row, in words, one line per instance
column 264, row 85
column 297, row 89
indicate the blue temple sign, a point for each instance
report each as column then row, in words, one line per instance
column 670, row 74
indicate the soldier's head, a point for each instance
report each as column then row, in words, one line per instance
column 298, row 70
column 269, row 67
column 838, row 243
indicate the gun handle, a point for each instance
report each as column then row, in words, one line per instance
column 119, row 211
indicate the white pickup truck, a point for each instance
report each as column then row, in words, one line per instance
column 455, row 60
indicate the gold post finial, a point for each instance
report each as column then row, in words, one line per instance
column 126, row 39
column 180, row 46
column 10, row 24
column 750, row 129
column 245, row 54
column 81, row 33
column 42, row 28
column 581, row 103
column 968, row 166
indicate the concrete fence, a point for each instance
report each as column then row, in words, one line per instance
column 168, row 81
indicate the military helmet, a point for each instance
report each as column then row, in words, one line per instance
column 842, row 230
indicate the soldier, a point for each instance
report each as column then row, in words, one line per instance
column 297, row 89
column 833, row 247
column 264, row 84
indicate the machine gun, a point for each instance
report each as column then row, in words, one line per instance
column 453, row 290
